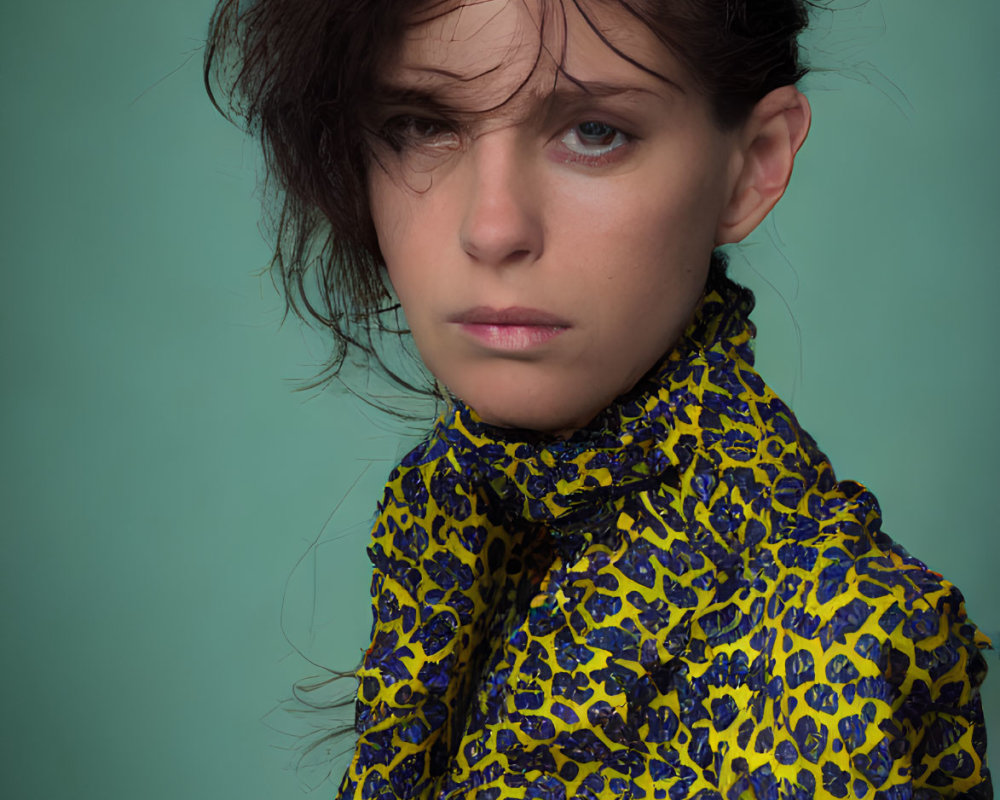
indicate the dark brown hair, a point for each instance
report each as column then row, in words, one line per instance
column 298, row 74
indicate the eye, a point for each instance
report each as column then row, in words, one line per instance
column 406, row 131
column 593, row 140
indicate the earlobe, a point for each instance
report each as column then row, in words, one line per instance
column 770, row 138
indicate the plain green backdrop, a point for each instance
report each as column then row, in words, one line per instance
column 161, row 480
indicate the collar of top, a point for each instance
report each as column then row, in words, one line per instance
column 542, row 479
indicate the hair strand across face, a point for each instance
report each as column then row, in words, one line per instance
column 301, row 74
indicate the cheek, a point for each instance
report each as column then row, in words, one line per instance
column 402, row 235
column 668, row 210
column 654, row 243
column 410, row 219
column 385, row 208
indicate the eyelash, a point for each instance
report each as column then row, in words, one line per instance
column 606, row 153
column 408, row 131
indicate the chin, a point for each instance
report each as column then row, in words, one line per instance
column 557, row 411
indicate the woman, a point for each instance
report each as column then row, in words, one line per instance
column 616, row 567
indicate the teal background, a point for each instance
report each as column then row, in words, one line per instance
column 161, row 480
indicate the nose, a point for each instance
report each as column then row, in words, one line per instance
column 501, row 223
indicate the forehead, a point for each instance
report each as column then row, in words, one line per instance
column 486, row 52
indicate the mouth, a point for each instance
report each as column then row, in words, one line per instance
column 510, row 329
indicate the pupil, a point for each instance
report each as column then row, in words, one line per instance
column 594, row 130
column 424, row 127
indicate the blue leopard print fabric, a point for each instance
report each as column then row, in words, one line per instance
column 679, row 601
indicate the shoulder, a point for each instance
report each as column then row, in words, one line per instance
column 876, row 655
column 869, row 666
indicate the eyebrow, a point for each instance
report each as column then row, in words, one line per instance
column 603, row 88
column 577, row 92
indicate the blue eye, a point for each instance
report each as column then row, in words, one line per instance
column 595, row 132
column 593, row 139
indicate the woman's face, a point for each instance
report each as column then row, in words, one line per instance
column 548, row 232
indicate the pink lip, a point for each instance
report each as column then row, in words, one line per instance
column 512, row 328
column 484, row 315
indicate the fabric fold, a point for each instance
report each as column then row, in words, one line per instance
column 679, row 600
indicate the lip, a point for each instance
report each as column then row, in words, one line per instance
column 515, row 315
column 511, row 329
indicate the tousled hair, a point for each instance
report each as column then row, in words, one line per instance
column 299, row 73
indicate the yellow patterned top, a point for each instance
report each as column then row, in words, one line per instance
column 679, row 601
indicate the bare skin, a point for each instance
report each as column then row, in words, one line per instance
column 549, row 244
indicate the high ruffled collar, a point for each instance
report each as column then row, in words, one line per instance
column 547, row 480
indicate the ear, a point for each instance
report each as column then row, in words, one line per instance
column 767, row 144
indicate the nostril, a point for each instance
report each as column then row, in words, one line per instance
column 512, row 245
